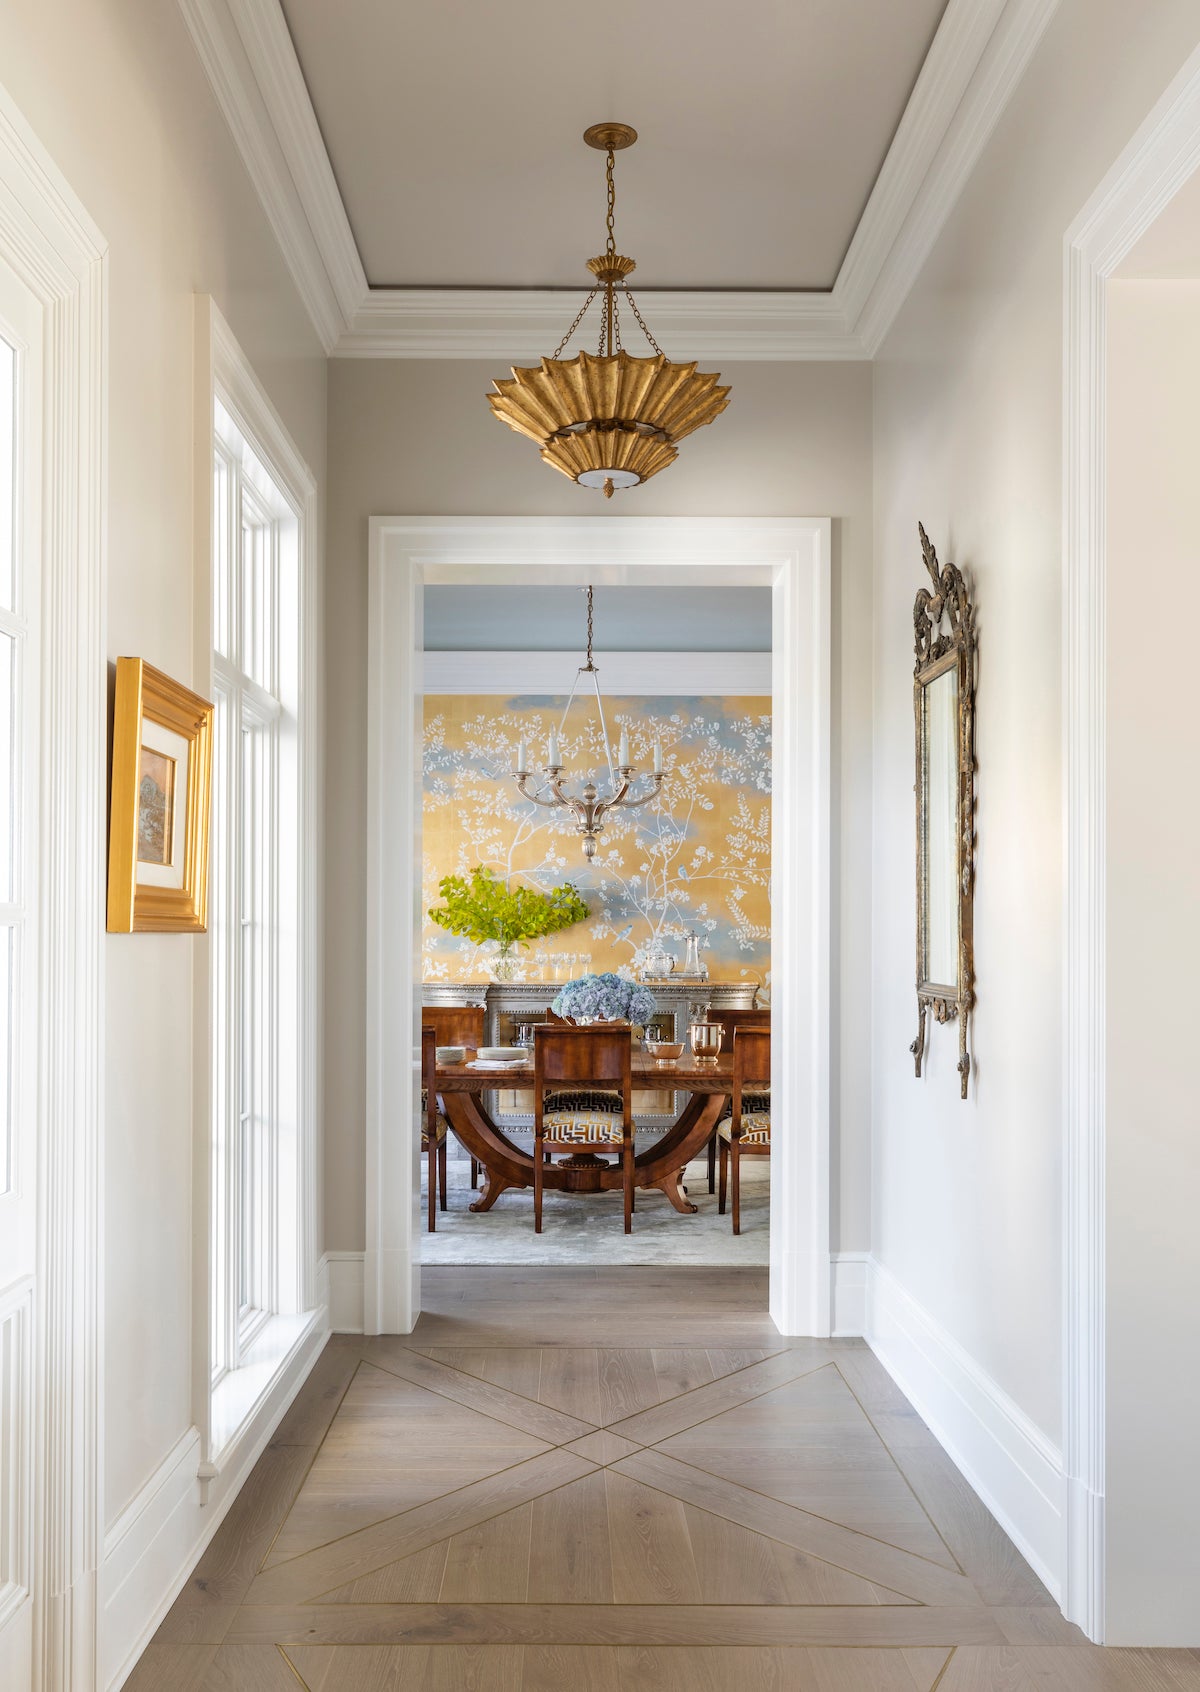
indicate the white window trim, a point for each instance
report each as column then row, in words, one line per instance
column 224, row 1408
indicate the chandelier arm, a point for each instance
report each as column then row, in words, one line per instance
column 550, row 804
column 635, row 804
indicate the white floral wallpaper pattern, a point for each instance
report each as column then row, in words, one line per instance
column 698, row 858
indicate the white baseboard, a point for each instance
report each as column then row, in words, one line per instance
column 1006, row 1458
column 848, row 1288
column 344, row 1271
column 157, row 1540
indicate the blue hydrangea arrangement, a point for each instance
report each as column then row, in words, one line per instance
column 608, row 998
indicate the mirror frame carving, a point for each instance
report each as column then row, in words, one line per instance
column 935, row 654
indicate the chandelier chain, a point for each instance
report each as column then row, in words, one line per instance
column 589, row 665
column 642, row 324
column 612, row 205
column 579, row 317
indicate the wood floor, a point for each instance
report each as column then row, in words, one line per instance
column 584, row 1480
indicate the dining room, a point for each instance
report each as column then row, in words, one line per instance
column 595, row 941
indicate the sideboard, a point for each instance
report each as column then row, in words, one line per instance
column 510, row 1003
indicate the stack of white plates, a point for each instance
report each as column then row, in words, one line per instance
column 501, row 1057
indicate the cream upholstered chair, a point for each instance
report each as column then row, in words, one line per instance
column 575, row 1115
column 746, row 1129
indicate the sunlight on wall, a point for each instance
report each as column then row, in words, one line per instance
column 698, row 858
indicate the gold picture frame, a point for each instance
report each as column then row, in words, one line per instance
column 944, row 710
column 161, row 794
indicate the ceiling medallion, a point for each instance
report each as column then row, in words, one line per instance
column 608, row 420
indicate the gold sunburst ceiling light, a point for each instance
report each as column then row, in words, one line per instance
column 607, row 419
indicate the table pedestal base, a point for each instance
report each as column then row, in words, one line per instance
column 507, row 1165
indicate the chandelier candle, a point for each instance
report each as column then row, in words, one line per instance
column 611, row 420
column 589, row 810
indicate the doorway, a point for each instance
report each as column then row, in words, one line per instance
column 674, row 899
column 791, row 557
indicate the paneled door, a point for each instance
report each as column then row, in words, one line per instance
column 20, row 551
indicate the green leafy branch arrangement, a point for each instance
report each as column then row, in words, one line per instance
column 486, row 908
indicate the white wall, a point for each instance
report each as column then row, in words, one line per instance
column 117, row 95
column 1152, row 1117
column 417, row 438
column 968, row 439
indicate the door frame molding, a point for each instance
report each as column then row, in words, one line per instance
column 1159, row 159
column 793, row 557
column 48, row 237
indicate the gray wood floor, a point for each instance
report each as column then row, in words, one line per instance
column 616, row 1481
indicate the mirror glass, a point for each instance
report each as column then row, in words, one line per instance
column 940, row 808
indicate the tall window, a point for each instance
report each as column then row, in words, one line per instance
column 255, row 843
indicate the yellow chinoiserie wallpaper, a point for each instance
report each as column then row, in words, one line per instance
column 696, row 859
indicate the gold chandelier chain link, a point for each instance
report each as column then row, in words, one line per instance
column 590, row 597
column 579, row 317
column 612, row 205
column 642, row 324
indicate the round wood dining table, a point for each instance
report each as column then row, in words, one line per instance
column 661, row 1164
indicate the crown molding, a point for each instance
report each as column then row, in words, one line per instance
column 975, row 62
column 518, row 323
column 973, row 68
column 271, row 151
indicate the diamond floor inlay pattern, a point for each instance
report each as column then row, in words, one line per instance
column 639, row 1509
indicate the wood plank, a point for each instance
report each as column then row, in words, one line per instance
column 651, row 1552
column 730, row 1392
column 603, row 1447
column 410, row 1580
column 535, row 1419
column 737, row 1566
column 570, row 1558
column 205, row 1607
column 413, row 1668
column 982, row 1548
column 884, row 1565
column 570, row 1668
column 515, row 1368
column 172, row 1668
column 316, row 1404
column 925, row 1666
column 489, row 1562
column 877, row 1625
column 570, row 1380
column 628, row 1383
column 361, row 1553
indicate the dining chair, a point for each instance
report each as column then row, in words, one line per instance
column 434, row 1127
column 572, row 1114
column 746, row 1130
column 457, row 1025
column 731, row 1021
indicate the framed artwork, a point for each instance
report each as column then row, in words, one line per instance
column 161, row 791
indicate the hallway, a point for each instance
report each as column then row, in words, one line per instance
column 615, row 1480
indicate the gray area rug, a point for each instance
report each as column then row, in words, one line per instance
column 587, row 1228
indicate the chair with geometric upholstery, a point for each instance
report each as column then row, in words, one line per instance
column 745, row 1130
column 731, row 1021
column 571, row 1113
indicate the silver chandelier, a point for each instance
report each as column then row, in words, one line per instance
column 589, row 809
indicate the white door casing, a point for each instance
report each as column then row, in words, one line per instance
column 57, row 256
column 793, row 557
column 1160, row 158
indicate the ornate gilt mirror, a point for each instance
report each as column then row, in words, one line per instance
column 944, row 706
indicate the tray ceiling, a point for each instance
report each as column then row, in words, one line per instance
column 454, row 132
